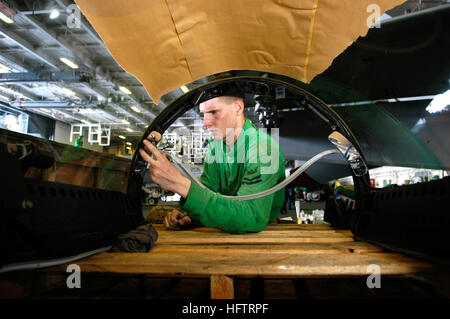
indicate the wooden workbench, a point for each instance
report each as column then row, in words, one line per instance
column 280, row 251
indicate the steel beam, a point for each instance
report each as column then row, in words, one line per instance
column 131, row 125
column 12, row 62
column 99, row 71
column 152, row 114
column 28, row 47
column 81, row 56
column 69, row 115
column 18, row 90
column 36, row 12
column 26, row 77
column 131, row 115
column 145, row 118
column 127, row 111
column 53, row 104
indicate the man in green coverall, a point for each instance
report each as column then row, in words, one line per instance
column 241, row 160
column 79, row 141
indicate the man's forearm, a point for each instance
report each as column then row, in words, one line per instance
column 182, row 187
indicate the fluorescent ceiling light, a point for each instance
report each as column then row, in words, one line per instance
column 87, row 111
column 5, row 67
column 5, row 18
column 54, row 14
column 45, row 110
column 134, row 108
column 128, row 148
column 125, row 122
column 4, row 97
column 85, row 122
column 129, row 129
column 124, row 90
column 184, row 89
column 122, row 137
column 67, row 91
column 69, row 63
column 439, row 103
column 128, row 143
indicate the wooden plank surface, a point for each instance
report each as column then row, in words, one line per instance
column 302, row 251
column 279, row 235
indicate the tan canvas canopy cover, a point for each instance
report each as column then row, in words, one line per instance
column 169, row 43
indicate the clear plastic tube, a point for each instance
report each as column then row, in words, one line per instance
column 275, row 188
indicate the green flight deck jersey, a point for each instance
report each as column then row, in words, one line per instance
column 255, row 164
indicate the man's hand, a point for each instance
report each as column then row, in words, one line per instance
column 163, row 173
column 176, row 220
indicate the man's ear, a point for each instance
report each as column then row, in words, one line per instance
column 239, row 106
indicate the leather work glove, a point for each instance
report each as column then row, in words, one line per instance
column 175, row 220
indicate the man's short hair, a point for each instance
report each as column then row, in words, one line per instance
column 228, row 99
column 232, row 89
column 223, row 89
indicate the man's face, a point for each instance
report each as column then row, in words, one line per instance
column 219, row 114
